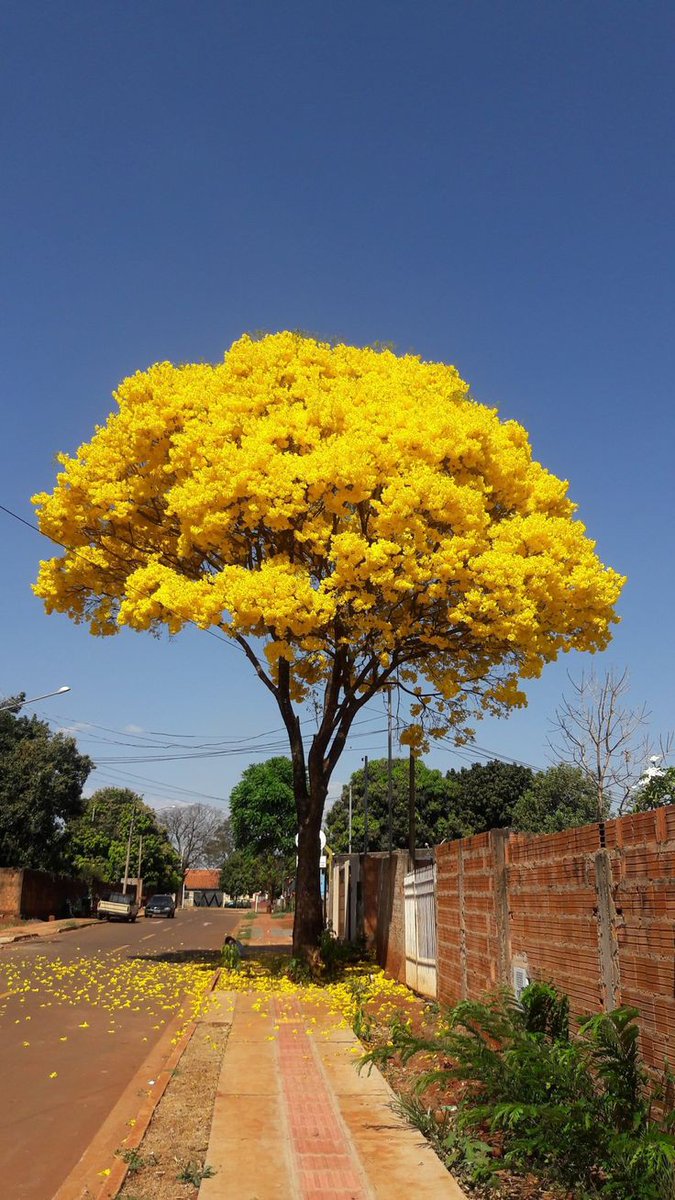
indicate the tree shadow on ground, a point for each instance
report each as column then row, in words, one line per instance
column 211, row 958
column 254, row 950
column 206, row 958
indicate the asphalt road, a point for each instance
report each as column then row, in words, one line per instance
column 79, row 1013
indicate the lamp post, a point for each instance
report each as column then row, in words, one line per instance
column 34, row 699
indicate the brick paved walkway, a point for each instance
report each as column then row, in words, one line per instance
column 325, row 1161
column 294, row 1120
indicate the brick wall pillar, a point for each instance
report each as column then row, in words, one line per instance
column 499, row 839
column 608, row 944
column 463, row 971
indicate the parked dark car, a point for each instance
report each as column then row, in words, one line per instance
column 160, row 906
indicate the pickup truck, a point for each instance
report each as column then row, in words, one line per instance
column 117, row 907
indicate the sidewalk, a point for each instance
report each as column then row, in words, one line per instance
column 294, row 1120
column 39, row 929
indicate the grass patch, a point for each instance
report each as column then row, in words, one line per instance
column 193, row 1174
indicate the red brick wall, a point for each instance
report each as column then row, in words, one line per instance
column 592, row 910
column 471, row 916
column 553, row 922
column 10, row 892
column 33, row 894
column 382, row 906
column 643, row 867
column 451, row 937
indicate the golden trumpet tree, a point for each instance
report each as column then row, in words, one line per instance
column 351, row 519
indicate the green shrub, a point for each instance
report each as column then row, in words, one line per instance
column 335, row 954
column 230, row 957
column 581, row 1111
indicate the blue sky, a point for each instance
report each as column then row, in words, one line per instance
column 486, row 184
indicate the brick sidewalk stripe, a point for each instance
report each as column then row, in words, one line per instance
column 326, row 1166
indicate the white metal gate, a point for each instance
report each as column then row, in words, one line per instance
column 419, row 889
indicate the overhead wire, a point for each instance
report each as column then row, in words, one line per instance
column 483, row 751
column 56, row 542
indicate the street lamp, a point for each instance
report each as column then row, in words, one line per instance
column 34, row 699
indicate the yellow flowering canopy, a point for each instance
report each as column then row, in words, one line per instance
column 357, row 511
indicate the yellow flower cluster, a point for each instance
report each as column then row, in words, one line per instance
column 157, row 989
column 319, row 497
column 361, row 986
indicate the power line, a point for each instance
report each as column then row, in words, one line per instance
column 481, row 750
column 212, row 740
column 211, row 743
column 171, row 787
column 27, row 523
column 470, row 751
column 275, row 747
column 78, row 549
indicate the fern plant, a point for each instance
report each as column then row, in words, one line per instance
column 581, row 1110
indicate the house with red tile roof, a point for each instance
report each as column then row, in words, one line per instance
column 201, row 888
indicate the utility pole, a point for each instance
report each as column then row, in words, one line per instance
column 412, row 797
column 365, row 804
column 126, row 865
column 350, row 818
column 390, row 781
column 138, row 873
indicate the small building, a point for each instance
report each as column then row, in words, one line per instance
column 201, row 888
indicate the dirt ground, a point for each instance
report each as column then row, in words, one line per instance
column 402, row 1078
column 171, row 1158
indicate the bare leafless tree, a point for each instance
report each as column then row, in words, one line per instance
column 597, row 730
column 200, row 834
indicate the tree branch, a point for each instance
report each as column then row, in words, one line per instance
column 257, row 665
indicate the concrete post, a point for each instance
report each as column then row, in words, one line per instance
column 354, row 865
column 462, row 925
column 608, row 946
column 499, row 840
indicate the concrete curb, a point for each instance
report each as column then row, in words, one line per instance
column 49, row 931
column 72, row 1187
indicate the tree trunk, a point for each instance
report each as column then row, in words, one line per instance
column 309, row 919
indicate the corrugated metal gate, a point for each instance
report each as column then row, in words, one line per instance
column 207, row 898
column 419, row 889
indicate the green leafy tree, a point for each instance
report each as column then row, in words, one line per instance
column 488, row 792
column 241, row 875
column 41, row 779
column 99, row 840
column 264, row 822
column 262, row 808
column 437, row 810
column 655, row 791
column 562, row 797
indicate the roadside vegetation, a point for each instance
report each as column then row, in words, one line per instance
column 520, row 1101
column 508, row 1088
